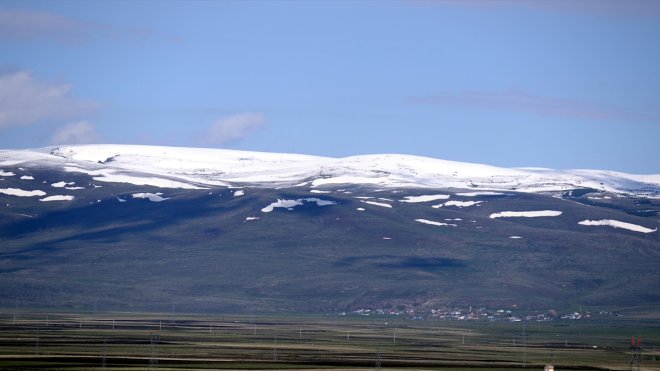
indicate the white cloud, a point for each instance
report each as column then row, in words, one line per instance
column 75, row 133
column 235, row 127
column 24, row 100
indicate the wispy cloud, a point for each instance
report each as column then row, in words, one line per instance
column 30, row 25
column 25, row 100
column 544, row 106
column 608, row 8
column 235, row 127
column 75, row 133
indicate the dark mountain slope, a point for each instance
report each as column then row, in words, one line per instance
column 201, row 250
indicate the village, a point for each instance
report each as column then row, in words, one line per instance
column 480, row 314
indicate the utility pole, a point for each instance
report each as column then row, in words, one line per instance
column 36, row 345
column 274, row 348
column 103, row 361
column 524, row 339
column 15, row 309
column 254, row 322
column 153, row 360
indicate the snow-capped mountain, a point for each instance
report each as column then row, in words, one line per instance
column 143, row 228
column 194, row 168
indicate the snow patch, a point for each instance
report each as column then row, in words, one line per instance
column 525, row 214
column 515, row 237
column 320, row 202
column 250, row 218
column 10, row 162
column 290, row 204
column 618, row 224
column 57, row 198
column 120, row 199
column 475, row 194
column 281, row 203
column 110, row 176
column 318, row 191
column 360, row 209
column 62, row 184
column 153, row 197
column 431, row 222
column 22, row 193
column 2, row 173
column 425, row 198
column 458, row 204
column 381, row 204
column 27, row 177
column 348, row 179
column 239, row 193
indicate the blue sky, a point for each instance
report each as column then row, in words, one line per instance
column 556, row 84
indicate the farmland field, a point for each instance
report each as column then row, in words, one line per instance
column 30, row 340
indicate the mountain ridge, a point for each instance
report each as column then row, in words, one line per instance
column 202, row 167
column 260, row 232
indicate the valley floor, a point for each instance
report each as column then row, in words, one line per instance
column 37, row 340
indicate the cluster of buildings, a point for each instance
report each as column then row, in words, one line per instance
column 469, row 314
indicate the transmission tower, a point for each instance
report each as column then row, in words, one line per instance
column 635, row 353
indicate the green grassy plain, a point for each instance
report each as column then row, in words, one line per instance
column 37, row 340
